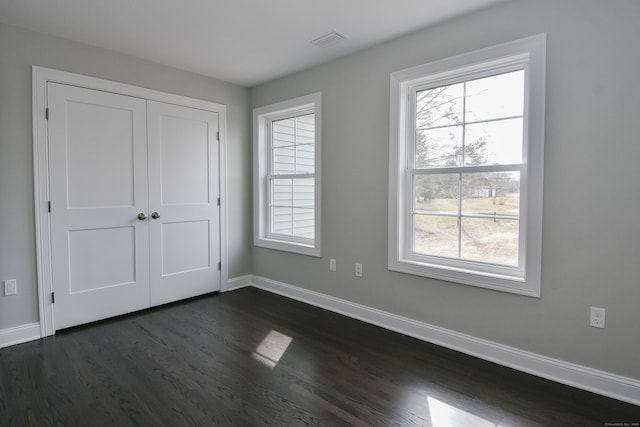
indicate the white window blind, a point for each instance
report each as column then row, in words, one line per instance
column 292, row 176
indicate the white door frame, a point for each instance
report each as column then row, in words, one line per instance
column 40, row 77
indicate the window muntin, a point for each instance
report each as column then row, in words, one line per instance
column 287, row 175
column 465, row 169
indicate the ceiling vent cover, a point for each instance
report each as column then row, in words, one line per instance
column 330, row 39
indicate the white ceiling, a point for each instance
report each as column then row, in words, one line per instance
column 246, row 42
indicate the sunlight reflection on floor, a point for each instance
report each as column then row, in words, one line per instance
column 272, row 348
column 444, row 415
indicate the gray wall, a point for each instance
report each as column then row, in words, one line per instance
column 19, row 50
column 591, row 237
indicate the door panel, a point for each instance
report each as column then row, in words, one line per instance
column 107, row 268
column 98, row 185
column 185, row 247
column 184, row 190
column 100, row 155
column 184, row 151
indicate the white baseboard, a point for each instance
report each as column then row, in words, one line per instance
column 19, row 334
column 593, row 380
column 238, row 283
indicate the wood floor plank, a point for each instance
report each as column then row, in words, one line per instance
column 251, row 358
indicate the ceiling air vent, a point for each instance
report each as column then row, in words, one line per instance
column 330, row 39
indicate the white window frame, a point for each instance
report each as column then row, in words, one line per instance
column 528, row 54
column 262, row 118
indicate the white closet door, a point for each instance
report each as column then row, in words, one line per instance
column 183, row 199
column 98, row 186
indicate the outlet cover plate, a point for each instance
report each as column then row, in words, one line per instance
column 597, row 317
column 10, row 287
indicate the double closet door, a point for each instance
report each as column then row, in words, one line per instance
column 134, row 188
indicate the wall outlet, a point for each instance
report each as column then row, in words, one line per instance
column 10, row 287
column 597, row 317
column 332, row 264
column 358, row 270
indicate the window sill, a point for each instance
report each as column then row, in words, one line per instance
column 515, row 285
column 282, row 245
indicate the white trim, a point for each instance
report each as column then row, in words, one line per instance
column 19, row 334
column 223, row 187
column 528, row 54
column 238, row 283
column 40, row 77
column 261, row 115
column 607, row 384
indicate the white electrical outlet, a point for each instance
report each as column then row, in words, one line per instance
column 10, row 287
column 358, row 270
column 597, row 317
column 332, row 264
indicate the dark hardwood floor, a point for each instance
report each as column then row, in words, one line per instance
column 252, row 358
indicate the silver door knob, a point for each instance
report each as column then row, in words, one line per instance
column 155, row 215
column 142, row 216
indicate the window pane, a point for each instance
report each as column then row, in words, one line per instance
column 440, row 106
column 282, row 192
column 305, row 158
column 491, row 143
column 304, row 223
column 293, row 145
column 281, row 220
column 283, row 133
column 436, row 193
column 439, row 147
column 284, row 160
column 491, row 241
column 495, row 97
column 491, row 193
column 306, row 128
column 435, row 235
column 303, row 193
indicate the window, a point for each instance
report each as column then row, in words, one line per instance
column 466, row 158
column 287, row 175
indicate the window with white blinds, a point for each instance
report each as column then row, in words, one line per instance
column 291, row 176
column 286, row 160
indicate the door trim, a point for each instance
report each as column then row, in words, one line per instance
column 40, row 77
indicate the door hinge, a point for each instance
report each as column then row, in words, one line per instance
column 218, row 136
column 46, row 113
column 218, row 201
column 49, row 206
column 220, row 266
column 53, row 297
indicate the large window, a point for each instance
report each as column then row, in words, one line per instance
column 466, row 168
column 287, row 175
